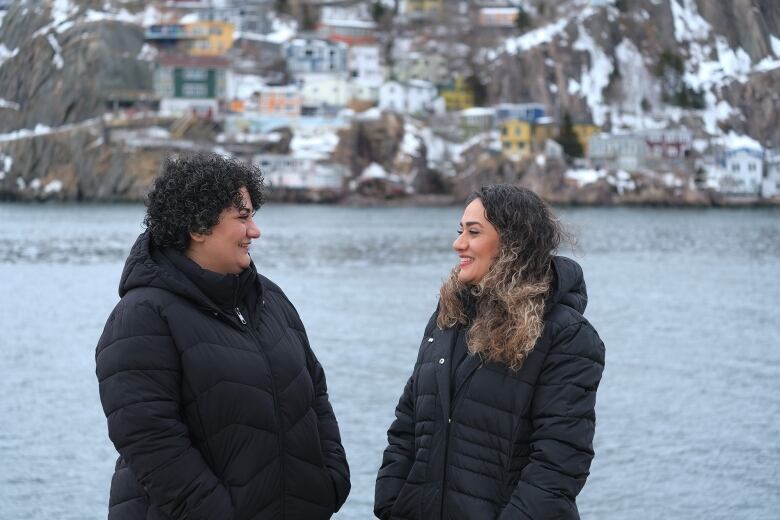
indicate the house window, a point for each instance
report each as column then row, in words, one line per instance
column 194, row 74
column 195, row 90
column 735, row 167
column 752, row 167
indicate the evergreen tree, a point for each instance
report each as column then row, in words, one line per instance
column 479, row 89
column 378, row 11
column 523, row 21
column 568, row 139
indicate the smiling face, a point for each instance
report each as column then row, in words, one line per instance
column 226, row 248
column 477, row 245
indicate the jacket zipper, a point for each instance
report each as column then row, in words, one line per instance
column 447, row 445
column 274, row 394
column 446, row 458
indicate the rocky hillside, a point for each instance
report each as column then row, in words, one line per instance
column 625, row 64
column 712, row 65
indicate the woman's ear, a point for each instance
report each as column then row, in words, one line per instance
column 197, row 237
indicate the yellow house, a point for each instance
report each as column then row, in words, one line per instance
column 424, row 8
column 584, row 131
column 458, row 97
column 516, row 138
column 543, row 129
column 209, row 37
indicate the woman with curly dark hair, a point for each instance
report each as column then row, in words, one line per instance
column 215, row 401
column 497, row 419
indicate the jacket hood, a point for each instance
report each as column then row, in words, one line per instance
column 148, row 266
column 569, row 285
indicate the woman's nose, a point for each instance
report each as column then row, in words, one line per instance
column 459, row 243
column 253, row 231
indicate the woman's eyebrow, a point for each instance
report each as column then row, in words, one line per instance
column 472, row 223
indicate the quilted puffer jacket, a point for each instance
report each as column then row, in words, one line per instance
column 215, row 401
column 496, row 443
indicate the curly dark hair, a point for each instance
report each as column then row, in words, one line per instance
column 510, row 298
column 192, row 191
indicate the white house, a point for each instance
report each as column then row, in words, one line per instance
column 365, row 65
column 293, row 172
column 324, row 90
column 770, row 187
column 427, row 66
column 315, row 55
column 624, row 151
column 412, row 97
column 740, row 166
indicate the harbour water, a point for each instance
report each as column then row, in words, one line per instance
column 686, row 302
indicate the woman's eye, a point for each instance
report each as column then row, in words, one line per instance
column 473, row 232
column 459, row 231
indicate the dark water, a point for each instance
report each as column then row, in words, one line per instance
column 686, row 302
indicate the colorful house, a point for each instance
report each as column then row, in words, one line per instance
column 280, row 101
column 584, row 131
column 458, row 95
column 523, row 111
column 498, row 16
column 201, row 38
column 190, row 84
column 516, row 138
column 351, row 32
column 423, row 9
column 210, row 37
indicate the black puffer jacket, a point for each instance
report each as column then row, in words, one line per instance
column 214, row 419
column 500, row 444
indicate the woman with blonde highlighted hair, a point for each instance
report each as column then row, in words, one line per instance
column 497, row 419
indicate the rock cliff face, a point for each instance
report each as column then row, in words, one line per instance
column 59, row 73
column 603, row 62
column 63, row 63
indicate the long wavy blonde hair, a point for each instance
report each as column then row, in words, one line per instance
column 505, row 309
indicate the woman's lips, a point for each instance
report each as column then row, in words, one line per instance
column 466, row 261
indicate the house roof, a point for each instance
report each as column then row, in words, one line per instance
column 195, row 62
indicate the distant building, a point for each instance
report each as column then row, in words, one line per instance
column 741, row 171
column 544, row 129
column 320, row 90
column 770, row 187
column 190, row 84
column 584, row 131
column 498, row 16
column 412, row 97
column 476, row 120
column 516, row 138
column 423, row 9
column 202, row 38
column 623, row 151
column 350, row 32
column 301, row 178
column 529, row 112
column 280, row 101
column 668, row 144
column 458, row 95
column 431, row 67
column 365, row 66
column 315, row 55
